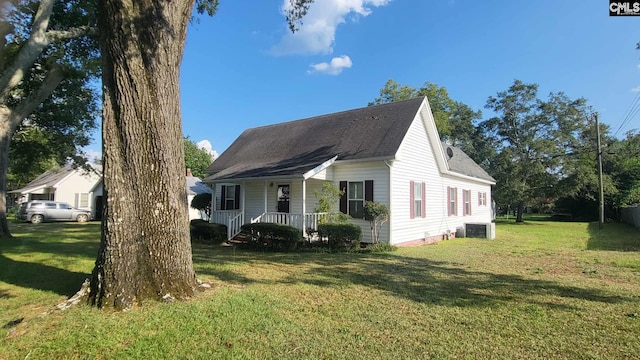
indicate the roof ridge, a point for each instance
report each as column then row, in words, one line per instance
column 316, row 117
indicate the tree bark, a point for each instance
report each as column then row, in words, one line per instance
column 5, row 142
column 145, row 250
column 520, row 212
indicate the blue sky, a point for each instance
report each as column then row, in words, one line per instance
column 242, row 68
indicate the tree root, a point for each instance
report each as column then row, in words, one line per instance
column 72, row 301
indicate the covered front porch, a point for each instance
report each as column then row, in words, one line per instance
column 234, row 219
column 287, row 201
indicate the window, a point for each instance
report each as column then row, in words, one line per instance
column 356, row 199
column 452, row 201
column 466, row 199
column 482, row 198
column 355, row 194
column 230, row 197
column 417, row 196
column 82, row 200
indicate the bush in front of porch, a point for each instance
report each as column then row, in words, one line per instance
column 203, row 231
column 272, row 236
column 341, row 236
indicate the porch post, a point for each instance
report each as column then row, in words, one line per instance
column 265, row 197
column 213, row 202
column 304, row 209
column 243, row 191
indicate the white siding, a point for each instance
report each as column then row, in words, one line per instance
column 416, row 162
column 79, row 182
column 373, row 170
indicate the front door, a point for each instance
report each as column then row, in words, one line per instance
column 283, row 198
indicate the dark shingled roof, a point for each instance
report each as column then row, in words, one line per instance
column 463, row 164
column 295, row 147
column 47, row 179
column 292, row 148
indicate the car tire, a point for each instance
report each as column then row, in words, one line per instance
column 36, row 219
column 82, row 218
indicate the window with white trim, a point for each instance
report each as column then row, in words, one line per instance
column 355, row 196
column 417, row 190
column 452, row 201
column 82, row 200
column 482, row 198
column 230, row 197
column 466, row 200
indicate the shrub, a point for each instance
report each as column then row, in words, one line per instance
column 382, row 247
column 273, row 236
column 202, row 202
column 341, row 236
column 207, row 232
column 377, row 214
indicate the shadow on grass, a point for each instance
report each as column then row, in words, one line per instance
column 40, row 277
column 419, row 280
column 613, row 237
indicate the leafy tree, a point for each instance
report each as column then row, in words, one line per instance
column 46, row 50
column 196, row 159
column 622, row 161
column 202, row 202
column 377, row 214
column 327, row 198
column 454, row 120
column 145, row 252
column 532, row 138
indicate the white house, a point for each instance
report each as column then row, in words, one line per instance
column 388, row 153
column 76, row 186
column 195, row 186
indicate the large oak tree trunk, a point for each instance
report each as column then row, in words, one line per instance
column 145, row 250
column 5, row 142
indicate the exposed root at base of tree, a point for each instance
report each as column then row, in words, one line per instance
column 203, row 286
column 81, row 295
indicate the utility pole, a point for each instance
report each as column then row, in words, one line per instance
column 601, row 217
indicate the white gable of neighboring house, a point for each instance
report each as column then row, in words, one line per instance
column 195, row 186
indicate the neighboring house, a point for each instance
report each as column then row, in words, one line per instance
column 76, row 186
column 195, row 186
column 388, row 153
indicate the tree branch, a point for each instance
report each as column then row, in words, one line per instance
column 35, row 98
column 61, row 35
column 29, row 51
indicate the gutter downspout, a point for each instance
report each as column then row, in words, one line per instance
column 389, row 164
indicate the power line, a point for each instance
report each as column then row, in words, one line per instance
column 631, row 112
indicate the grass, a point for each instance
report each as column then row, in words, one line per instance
column 540, row 290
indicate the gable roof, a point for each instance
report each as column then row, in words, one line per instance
column 461, row 163
column 195, row 186
column 295, row 147
column 301, row 147
column 51, row 178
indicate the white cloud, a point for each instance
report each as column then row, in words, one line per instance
column 206, row 145
column 636, row 89
column 94, row 156
column 334, row 67
column 317, row 32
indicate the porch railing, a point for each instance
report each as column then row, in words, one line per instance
column 234, row 219
column 295, row 220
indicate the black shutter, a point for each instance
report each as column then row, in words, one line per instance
column 343, row 198
column 223, row 194
column 237, row 199
column 368, row 190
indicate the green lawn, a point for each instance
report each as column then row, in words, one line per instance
column 541, row 290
